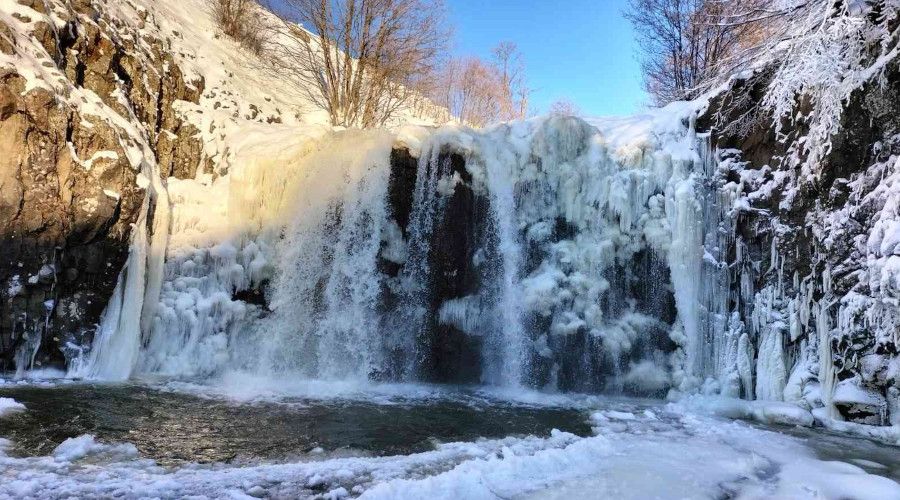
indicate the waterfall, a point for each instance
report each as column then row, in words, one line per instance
column 408, row 321
column 325, row 296
column 547, row 253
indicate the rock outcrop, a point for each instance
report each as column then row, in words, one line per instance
column 86, row 106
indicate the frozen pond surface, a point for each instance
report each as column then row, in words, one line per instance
column 179, row 440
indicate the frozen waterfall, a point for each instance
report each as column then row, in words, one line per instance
column 550, row 253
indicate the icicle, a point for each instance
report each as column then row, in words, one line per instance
column 826, row 372
column 685, row 257
column 114, row 351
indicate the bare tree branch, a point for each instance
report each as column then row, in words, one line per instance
column 363, row 61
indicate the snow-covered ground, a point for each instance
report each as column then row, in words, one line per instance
column 663, row 452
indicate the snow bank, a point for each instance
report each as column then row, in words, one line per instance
column 767, row 412
column 775, row 412
column 79, row 447
column 506, row 474
column 885, row 434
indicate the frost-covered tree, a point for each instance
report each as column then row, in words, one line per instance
column 363, row 61
column 815, row 54
column 829, row 49
column 686, row 44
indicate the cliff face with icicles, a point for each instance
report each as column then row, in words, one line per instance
column 812, row 274
column 171, row 211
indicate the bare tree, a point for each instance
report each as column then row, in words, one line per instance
column 362, row 61
column 474, row 95
column 239, row 19
column 513, row 91
column 564, row 107
column 479, row 93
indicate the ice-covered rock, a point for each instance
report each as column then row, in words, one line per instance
column 8, row 406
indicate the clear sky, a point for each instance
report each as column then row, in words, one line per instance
column 580, row 50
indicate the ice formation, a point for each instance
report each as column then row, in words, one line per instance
column 593, row 252
column 552, row 253
column 556, row 253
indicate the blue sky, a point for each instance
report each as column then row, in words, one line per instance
column 581, row 50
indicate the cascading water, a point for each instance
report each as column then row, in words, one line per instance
column 325, row 295
column 541, row 253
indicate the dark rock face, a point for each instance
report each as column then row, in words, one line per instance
column 68, row 179
column 455, row 356
column 447, row 354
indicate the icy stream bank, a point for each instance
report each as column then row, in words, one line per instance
column 627, row 449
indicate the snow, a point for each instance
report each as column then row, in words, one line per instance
column 8, row 406
column 79, row 447
column 664, row 453
column 850, row 391
column 832, row 50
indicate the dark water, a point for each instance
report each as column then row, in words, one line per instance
column 173, row 427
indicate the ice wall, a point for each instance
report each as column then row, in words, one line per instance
column 550, row 253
